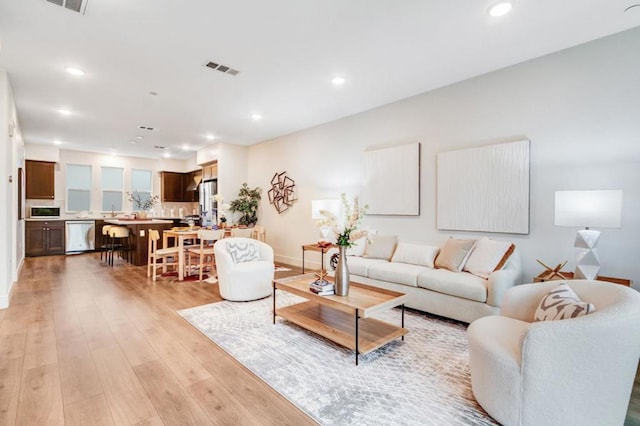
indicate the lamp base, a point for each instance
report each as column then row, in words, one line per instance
column 587, row 260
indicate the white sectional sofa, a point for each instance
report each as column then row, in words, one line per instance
column 412, row 269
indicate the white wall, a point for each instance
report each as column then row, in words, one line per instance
column 580, row 108
column 11, row 158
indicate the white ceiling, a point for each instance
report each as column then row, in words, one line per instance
column 287, row 51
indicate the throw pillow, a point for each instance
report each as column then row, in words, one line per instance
column 454, row 253
column 562, row 303
column 415, row 254
column 381, row 247
column 488, row 256
column 243, row 251
column 360, row 245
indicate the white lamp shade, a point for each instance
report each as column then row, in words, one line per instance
column 598, row 209
column 332, row 206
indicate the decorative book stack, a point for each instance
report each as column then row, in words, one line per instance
column 322, row 288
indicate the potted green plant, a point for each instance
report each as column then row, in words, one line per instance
column 247, row 204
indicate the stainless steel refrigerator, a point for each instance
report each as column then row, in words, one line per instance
column 208, row 206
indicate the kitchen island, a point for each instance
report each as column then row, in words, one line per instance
column 139, row 229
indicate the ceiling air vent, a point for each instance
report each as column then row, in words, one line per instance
column 151, row 129
column 222, row 68
column 79, row 6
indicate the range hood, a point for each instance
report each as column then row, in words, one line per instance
column 192, row 185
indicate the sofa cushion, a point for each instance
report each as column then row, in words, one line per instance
column 399, row 273
column 358, row 248
column 454, row 253
column 381, row 247
column 459, row 284
column 415, row 254
column 360, row 265
column 562, row 303
column 488, row 256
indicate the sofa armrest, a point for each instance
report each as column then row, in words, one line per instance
column 498, row 284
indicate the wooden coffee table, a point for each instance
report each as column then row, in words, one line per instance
column 345, row 320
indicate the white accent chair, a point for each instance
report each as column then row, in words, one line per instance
column 574, row 371
column 244, row 281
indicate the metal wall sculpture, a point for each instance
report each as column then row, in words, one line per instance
column 282, row 194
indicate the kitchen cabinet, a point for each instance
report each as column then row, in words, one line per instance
column 179, row 187
column 44, row 238
column 40, row 184
column 173, row 186
column 210, row 171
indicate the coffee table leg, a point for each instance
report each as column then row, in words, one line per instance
column 357, row 351
column 274, row 303
column 402, row 320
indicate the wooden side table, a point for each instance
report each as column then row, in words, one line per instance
column 569, row 275
column 316, row 247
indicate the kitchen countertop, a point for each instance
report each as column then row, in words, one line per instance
column 74, row 218
column 136, row 221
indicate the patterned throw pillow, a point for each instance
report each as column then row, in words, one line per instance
column 562, row 303
column 243, row 251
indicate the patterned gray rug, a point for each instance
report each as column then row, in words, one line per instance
column 421, row 381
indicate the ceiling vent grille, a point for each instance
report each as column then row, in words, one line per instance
column 222, row 68
column 79, row 6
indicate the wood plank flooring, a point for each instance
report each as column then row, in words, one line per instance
column 86, row 344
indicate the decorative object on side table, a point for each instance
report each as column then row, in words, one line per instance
column 602, row 209
column 552, row 273
column 142, row 202
column 346, row 235
column 317, row 206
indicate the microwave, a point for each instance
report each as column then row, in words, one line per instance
column 45, row 212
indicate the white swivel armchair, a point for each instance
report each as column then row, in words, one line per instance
column 573, row 371
column 245, row 268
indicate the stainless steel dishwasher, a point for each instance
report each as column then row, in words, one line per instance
column 80, row 235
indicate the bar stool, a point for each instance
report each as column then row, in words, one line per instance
column 119, row 242
column 105, row 241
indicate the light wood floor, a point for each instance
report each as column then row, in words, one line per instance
column 83, row 343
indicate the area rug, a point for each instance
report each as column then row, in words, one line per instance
column 423, row 380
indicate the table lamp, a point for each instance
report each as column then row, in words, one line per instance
column 332, row 206
column 600, row 209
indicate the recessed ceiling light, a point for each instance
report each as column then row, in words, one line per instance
column 256, row 117
column 500, row 9
column 337, row 80
column 64, row 111
column 210, row 137
column 166, row 155
column 74, row 71
column 133, row 142
column 139, row 137
column 57, row 142
column 185, row 147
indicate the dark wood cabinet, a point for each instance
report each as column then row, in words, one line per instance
column 40, row 180
column 44, row 238
column 178, row 187
column 173, row 186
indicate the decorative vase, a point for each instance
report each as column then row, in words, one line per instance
column 141, row 215
column 342, row 273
